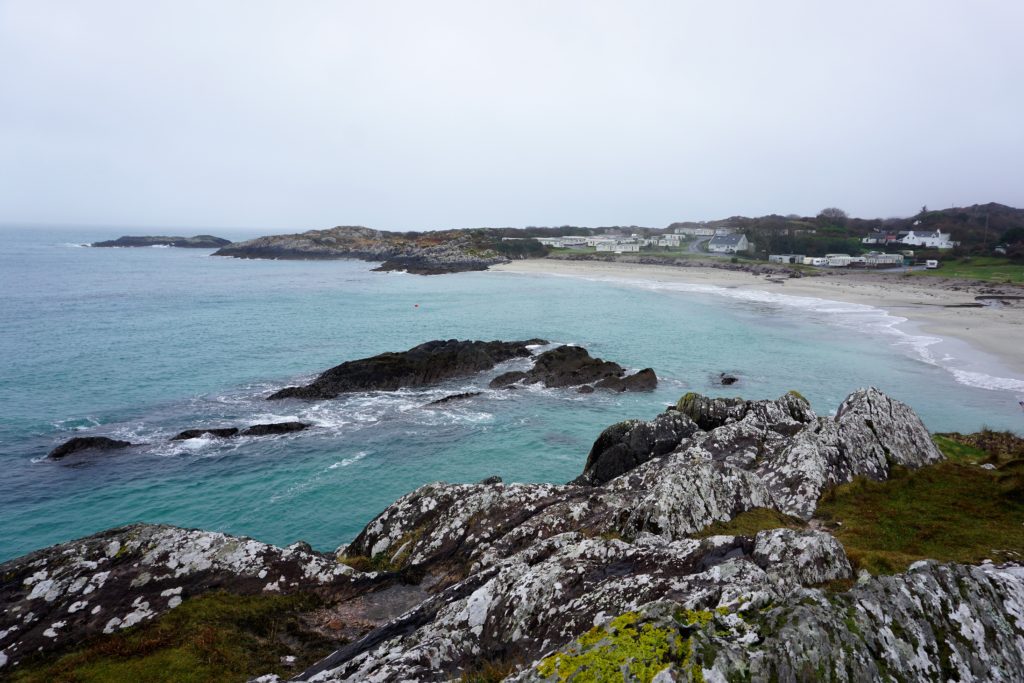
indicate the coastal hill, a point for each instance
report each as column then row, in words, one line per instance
column 424, row 253
column 195, row 242
column 724, row 539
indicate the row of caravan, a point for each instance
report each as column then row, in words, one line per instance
column 872, row 260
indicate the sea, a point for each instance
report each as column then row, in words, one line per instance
column 139, row 344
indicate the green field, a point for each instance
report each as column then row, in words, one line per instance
column 987, row 268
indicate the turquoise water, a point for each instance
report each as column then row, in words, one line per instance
column 142, row 343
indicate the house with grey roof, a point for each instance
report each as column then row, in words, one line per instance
column 728, row 244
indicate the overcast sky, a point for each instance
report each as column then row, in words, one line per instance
column 409, row 115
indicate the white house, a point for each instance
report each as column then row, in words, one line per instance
column 935, row 240
column 724, row 231
column 815, row 261
column 670, row 240
column 728, row 244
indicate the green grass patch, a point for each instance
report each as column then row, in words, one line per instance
column 750, row 522
column 952, row 512
column 987, row 268
column 959, row 452
column 214, row 637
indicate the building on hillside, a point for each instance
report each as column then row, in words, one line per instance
column 724, row 231
column 695, row 232
column 728, row 244
column 838, row 260
column 933, row 239
column 880, row 238
column 786, row 258
column 670, row 240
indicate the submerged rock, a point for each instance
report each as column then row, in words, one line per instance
column 422, row 365
column 87, row 443
column 454, row 397
column 573, row 366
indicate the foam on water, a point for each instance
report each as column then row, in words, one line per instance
column 861, row 318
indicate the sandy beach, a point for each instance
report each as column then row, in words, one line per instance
column 932, row 306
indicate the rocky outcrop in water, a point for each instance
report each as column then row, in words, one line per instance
column 218, row 432
column 421, row 253
column 573, row 366
column 87, row 443
column 195, row 242
column 613, row 573
column 428, row 363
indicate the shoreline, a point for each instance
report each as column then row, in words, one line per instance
column 996, row 332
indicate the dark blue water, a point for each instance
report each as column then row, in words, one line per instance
column 142, row 343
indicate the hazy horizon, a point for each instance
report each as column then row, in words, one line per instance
column 261, row 116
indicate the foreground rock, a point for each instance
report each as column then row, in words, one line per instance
column 87, row 443
column 61, row 596
column 273, row 428
column 573, row 366
column 426, row 364
column 550, row 582
column 196, row 242
column 420, row 253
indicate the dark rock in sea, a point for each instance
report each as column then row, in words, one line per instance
column 422, row 365
column 644, row 380
column 572, row 366
column 196, row 242
column 507, row 379
column 87, row 443
column 222, row 432
column 274, row 428
column 453, row 397
column 585, row 389
column 490, row 480
column 429, row 266
column 727, row 379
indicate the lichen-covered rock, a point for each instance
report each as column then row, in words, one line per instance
column 934, row 623
column 560, row 587
column 62, row 595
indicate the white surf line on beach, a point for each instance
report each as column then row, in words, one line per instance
column 847, row 315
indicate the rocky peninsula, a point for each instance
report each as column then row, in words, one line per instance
column 725, row 539
column 422, row 253
column 195, row 242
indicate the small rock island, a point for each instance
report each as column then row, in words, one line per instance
column 195, row 242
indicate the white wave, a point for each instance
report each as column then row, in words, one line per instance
column 859, row 317
column 349, row 461
column 75, row 245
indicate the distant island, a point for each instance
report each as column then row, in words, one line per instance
column 195, row 242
